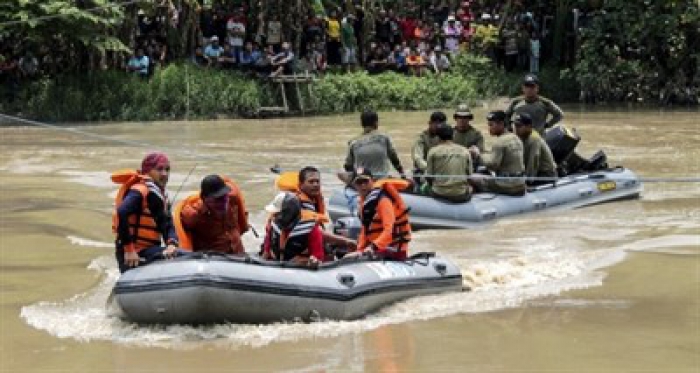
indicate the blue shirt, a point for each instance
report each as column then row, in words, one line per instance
column 140, row 64
column 248, row 58
column 211, row 51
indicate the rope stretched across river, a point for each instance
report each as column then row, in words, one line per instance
column 277, row 169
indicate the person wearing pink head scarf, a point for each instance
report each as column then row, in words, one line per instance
column 144, row 222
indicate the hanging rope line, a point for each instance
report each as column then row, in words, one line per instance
column 278, row 170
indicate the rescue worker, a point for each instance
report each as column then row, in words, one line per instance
column 311, row 199
column 141, row 219
column 452, row 164
column 537, row 157
column 465, row 134
column 536, row 106
column 372, row 150
column 385, row 231
column 505, row 160
column 426, row 141
column 214, row 219
column 292, row 234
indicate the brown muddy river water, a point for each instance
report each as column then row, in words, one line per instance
column 614, row 287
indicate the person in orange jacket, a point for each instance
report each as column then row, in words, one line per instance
column 141, row 220
column 386, row 230
column 214, row 219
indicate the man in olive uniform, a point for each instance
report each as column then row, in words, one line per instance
column 538, row 159
column 465, row 134
column 372, row 150
column 451, row 164
column 505, row 160
column 535, row 105
column 426, row 141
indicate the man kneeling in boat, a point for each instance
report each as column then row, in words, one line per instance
column 141, row 220
column 452, row 165
column 292, row 234
column 213, row 219
column 385, row 229
column 540, row 167
column 306, row 185
column 505, row 160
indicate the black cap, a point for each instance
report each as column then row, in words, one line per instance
column 214, row 186
column 438, row 117
column 444, row 131
column 522, row 118
column 531, row 79
column 496, row 116
column 361, row 173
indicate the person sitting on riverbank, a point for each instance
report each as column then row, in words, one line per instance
column 386, row 230
column 141, row 221
column 292, row 234
column 213, row 219
column 139, row 63
column 372, row 150
column 505, row 160
column 537, row 157
column 213, row 51
column 449, row 166
column 283, row 62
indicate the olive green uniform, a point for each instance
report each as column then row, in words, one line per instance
column 373, row 151
column 538, row 111
column 450, row 159
column 505, row 160
column 537, row 157
column 420, row 149
column 468, row 138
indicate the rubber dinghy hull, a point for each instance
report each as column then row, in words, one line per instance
column 225, row 289
column 567, row 193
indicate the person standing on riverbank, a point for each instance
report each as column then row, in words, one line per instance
column 372, row 150
column 536, row 106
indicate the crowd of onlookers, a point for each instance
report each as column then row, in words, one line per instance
column 413, row 40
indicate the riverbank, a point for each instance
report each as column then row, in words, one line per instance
column 185, row 91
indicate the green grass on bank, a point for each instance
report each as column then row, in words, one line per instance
column 182, row 90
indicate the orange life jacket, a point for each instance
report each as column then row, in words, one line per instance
column 286, row 245
column 142, row 226
column 372, row 223
column 289, row 182
column 236, row 203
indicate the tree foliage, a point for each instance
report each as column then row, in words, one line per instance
column 81, row 30
column 642, row 50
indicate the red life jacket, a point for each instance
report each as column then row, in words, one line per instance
column 285, row 245
column 372, row 223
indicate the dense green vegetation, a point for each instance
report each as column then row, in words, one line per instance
column 186, row 91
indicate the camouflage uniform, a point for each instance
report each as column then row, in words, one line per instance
column 537, row 158
column 373, row 151
column 505, row 160
column 420, row 149
column 538, row 111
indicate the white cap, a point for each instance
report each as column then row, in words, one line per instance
column 451, row 19
column 276, row 205
column 485, row 16
column 214, row 38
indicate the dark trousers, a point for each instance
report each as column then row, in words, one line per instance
column 147, row 255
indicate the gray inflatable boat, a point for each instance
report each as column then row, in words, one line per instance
column 567, row 193
column 217, row 289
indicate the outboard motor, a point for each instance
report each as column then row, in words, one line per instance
column 562, row 142
column 348, row 227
